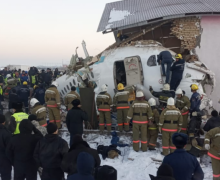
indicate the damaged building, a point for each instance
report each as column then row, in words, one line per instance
column 189, row 27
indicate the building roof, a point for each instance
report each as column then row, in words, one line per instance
column 130, row 13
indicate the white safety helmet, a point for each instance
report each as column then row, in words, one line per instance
column 179, row 91
column 55, row 83
column 139, row 94
column 84, row 77
column 166, row 87
column 61, row 73
column 104, row 87
column 170, row 102
column 8, row 76
column 33, row 102
column 152, row 102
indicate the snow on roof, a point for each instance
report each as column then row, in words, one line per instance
column 138, row 12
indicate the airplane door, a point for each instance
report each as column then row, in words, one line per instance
column 134, row 71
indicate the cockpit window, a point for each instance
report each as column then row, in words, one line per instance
column 152, row 61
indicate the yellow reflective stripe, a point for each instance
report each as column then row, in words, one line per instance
column 151, row 128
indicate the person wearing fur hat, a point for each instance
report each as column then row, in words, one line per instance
column 105, row 172
column 20, row 151
column 17, row 117
column 5, row 164
column 185, row 166
column 165, row 172
column 69, row 162
column 75, row 118
column 49, row 153
column 213, row 122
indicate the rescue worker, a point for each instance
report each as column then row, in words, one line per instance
column 40, row 111
column 165, row 57
column 213, row 122
column 1, row 78
column 183, row 104
column 162, row 96
column 213, row 138
column 23, row 77
column 16, row 118
column 141, row 113
column 52, row 99
column 171, row 121
column 120, row 100
column 70, row 97
column 153, row 125
column 13, row 98
column 1, row 99
column 24, row 94
column 195, row 121
column 104, row 103
column 5, row 164
column 10, row 83
column 17, row 77
column 177, row 73
column 56, row 73
column 39, row 94
column 48, row 77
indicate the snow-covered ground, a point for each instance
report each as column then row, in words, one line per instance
column 134, row 165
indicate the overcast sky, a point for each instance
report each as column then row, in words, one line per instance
column 40, row 32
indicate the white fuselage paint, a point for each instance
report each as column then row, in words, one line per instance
column 104, row 74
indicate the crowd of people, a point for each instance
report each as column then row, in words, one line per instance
column 31, row 144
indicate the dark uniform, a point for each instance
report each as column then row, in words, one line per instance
column 213, row 137
column 5, row 164
column 141, row 113
column 170, row 122
column 120, row 100
column 177, row 74
column 195, row 123
column 52, row 99
column 152, row 132
column 39, row 94
column 183, row 104
column 24, row 94
column 104, row 102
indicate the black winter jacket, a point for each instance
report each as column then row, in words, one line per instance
column 74, row 120
column 13, row 98
column 21, row 146
column 69, row 163
column 5, row 137
column 47, row 78
column 165, row 55
column 212, row 123
column 50, row 150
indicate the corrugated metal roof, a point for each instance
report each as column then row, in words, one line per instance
column 141, row 11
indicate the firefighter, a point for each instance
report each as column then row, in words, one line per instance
column 213, row 137
column 183, row 104
column 153, row 125
column 10, row 83
column 195, row 121
column 141, row 113
column 177, row 73
column 162, row 96
column 104, row 102
column 120, row 100
column 39, row 111
column 70, row 97
column 24, row 94
column 52, row 99
column 16, row 118
column 170, row 122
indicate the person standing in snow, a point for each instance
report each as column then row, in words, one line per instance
column 49, row 153
column 20, row 151
column 5, row 164
column 75, row 118
column 185, row 166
